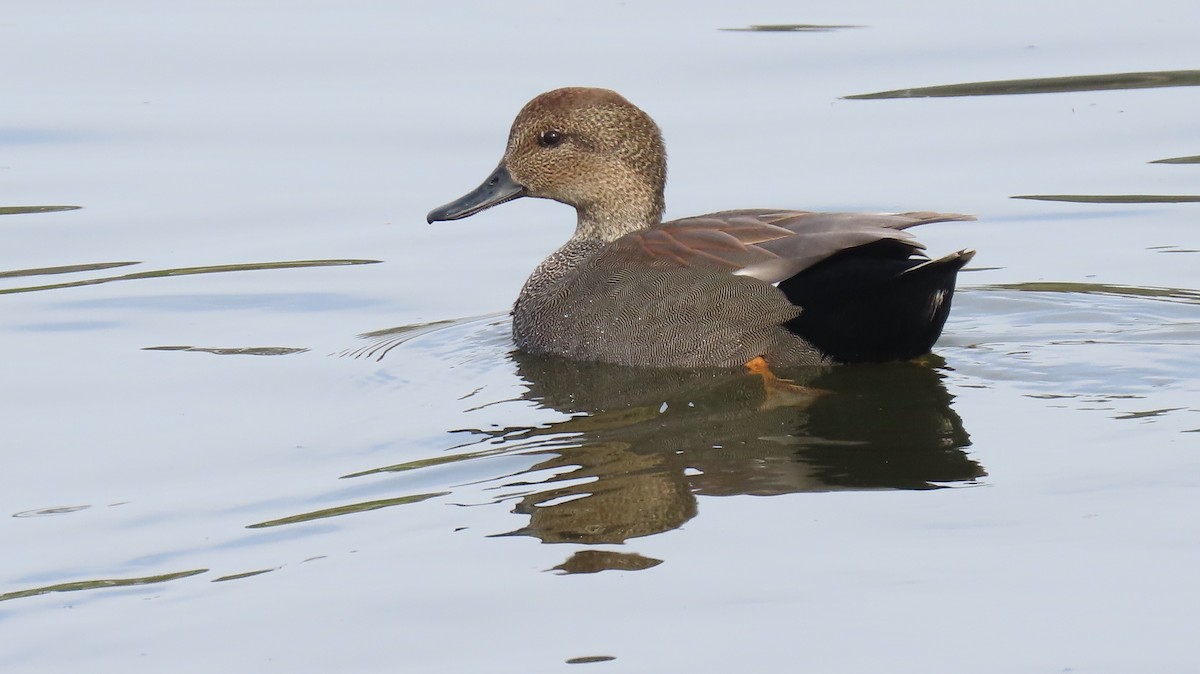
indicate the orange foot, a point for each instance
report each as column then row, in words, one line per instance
column 782, row 392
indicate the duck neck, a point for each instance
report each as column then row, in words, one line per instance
column 612, row 221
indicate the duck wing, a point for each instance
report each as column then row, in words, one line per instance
column 774, row 245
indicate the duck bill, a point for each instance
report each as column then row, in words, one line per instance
column 497, row 189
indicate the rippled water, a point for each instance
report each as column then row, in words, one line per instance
column 259, row 415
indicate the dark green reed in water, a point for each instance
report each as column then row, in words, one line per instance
column 22, row 210
column 1047, row 85
column 160, row 273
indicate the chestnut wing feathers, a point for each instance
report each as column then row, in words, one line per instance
column 772, row 245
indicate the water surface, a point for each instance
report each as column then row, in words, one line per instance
column 258, row 451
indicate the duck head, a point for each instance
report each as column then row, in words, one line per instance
column 587, row 148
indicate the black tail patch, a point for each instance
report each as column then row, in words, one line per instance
column 874, row 303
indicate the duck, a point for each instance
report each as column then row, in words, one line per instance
column 786, row 288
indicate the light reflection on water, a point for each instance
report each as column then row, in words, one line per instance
column 635, row 448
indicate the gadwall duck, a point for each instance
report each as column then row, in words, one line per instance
column 718, row 290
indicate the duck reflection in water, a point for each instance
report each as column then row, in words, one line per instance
column 643, row 443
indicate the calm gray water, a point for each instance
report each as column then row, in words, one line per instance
column 217, row 462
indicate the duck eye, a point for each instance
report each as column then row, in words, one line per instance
column 550, row 138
